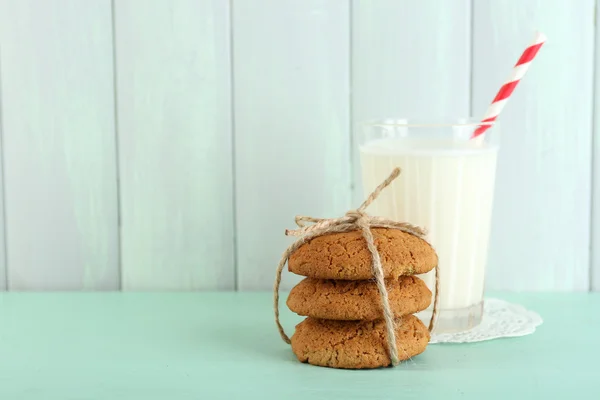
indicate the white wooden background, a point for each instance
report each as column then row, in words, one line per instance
column 167, row 144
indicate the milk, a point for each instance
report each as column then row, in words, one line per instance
column 446, row 187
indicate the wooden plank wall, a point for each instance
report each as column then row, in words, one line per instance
column 174, row 112
column 541, row 228
column 3, row 267
column 292, row 136
column 166, row 145
column 60, row 181
column 396, row 74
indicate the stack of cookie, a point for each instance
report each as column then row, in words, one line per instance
column 344, row 327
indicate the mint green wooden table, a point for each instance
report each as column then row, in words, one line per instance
column 225, row 346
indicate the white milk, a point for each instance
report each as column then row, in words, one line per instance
column 448, row 189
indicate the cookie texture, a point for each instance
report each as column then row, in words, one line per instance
column 346, row 256
column 357, row 300
column 356, row 344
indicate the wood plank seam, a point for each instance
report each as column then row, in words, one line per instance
column 351, row 122
column 236, row 283
column 3, row 258
column 594, row 266
column 471, row 52
column 117, row 153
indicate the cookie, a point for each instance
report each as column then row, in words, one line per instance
column 346, row 256
column 357, row 300
column 356, row 344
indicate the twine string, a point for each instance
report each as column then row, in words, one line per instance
column 355, row 220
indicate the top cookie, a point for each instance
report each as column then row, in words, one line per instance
column 346, row 256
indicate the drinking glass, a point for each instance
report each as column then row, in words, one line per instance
column 446, row 186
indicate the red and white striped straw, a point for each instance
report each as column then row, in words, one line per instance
column 506, row 90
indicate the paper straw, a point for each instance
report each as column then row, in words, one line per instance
column 506, row 90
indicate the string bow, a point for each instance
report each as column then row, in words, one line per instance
column 355, row 220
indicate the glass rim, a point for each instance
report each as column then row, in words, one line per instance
column 422, row 122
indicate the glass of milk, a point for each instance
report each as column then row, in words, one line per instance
column 446, row 185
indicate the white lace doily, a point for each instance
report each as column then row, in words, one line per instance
column 500, row 319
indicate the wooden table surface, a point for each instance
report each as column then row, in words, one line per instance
column 225, row 346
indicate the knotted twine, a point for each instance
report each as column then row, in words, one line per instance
column 356, row 220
